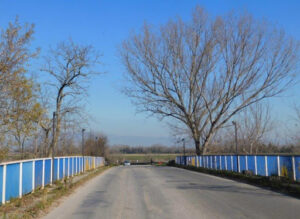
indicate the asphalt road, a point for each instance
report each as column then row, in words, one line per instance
column 137, row 192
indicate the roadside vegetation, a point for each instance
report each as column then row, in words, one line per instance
column 276, row 183
column 36, row 204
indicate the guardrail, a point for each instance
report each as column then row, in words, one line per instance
column 18, row 178
column 264, row 165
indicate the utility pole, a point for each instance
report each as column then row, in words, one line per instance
column 82, row 147
column 52, row 146
column 236, row 144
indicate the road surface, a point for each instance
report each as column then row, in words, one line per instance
column 137, row 192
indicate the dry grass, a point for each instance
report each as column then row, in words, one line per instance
column 38, row 203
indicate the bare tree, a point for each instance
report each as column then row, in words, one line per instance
column 204, row 72
column 254, row 123
column 71, row 66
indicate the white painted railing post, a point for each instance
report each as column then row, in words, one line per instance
column 266, row 165
column 20, row 179
column 220, row 162
column 231, row 158
column 68, row 167
column 3, row 184
column 57, row 172
column 64, row 168
column 225, row 162
column 294, row 168
column 33, row 175
column 76, row 165
column 43, row 174
column 246, row 158
column 278, row 165
column 239, row 164
column 255, row 164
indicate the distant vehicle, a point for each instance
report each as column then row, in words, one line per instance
column 126, row 163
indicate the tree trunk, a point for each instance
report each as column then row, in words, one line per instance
column 35, row 146
column 206, row 142
column 45, row 150
column 56, row 129
column 197, row 145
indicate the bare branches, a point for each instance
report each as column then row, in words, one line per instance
column 71, row 66
column 204, row 72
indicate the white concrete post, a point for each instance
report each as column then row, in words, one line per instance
column 231, row 162
column 3, row 184
column 64, row 167
column 20, row 179
column 255, row 164
column 76, row 165
column 43, row 174
column 68, row 167
column 239, row 169
column 33, row 175
column 246, row 158
column 294, row 167
column 225, row 162
column 57, row 169
column 278, row 165
column 220, row 162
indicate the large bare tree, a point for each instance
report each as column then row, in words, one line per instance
column 71, row 66
column 205, row 71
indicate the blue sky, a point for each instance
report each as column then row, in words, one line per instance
column 105, row 24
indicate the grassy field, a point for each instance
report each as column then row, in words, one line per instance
column 141, row 158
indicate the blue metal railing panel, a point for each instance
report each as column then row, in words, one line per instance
column 12, row 181
column 272, row 165
column 261, row 168
column 217, row 165
column 27, row 177
column 228, row 159
column 286, row 166
column 38, row 173
column 66, row 166
column 47, row 172
column 61, row 168
column 55, row 169
column 242, row 163
column 71, row 165
column 251, row 163
column 223, row 165
column 234, row 162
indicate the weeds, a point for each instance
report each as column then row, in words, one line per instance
column 32, row 205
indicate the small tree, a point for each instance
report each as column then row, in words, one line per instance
column 24, row 112
column 15, row 55
column 202, row 73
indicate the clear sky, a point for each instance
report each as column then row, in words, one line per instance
column 106, row 23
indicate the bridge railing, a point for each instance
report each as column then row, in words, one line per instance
column 18, row 178
column 264, row 165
